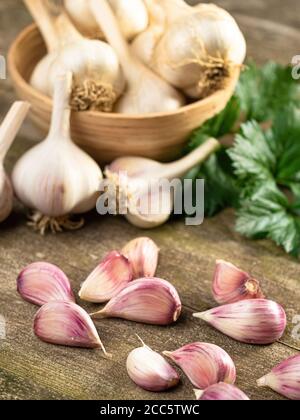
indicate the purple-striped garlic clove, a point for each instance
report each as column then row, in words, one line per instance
column 108, row 279
column 149, row 300
column 41, row 283
column 284, row 378
column 221, row 392
column 143, row 254
column 232, row 285
column 150, row 371
column 257, row 321
column 204, row 364
column 66, row 324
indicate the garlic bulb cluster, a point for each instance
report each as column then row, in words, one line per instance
column 146, row 92
column 141, row 180
column 98, row 78
column 132, row 16
column 150, row 371
column 68, row 182
column 8, row 131
column 199, row 49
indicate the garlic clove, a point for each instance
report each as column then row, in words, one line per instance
column 41, row 283
column 107, row 280
column 221, row 392
column 257, row 321
column 66, row 324
column 231, row 284
column 150, row 301
column 150, row 371
column 143, row 254
column 284, row 378
column 204, row 364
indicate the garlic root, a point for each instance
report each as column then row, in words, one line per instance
column 8, row 131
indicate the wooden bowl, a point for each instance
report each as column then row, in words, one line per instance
column 160, row 136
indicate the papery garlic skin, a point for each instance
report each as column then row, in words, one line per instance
column 6, row 196
column 204, row 364
column 257, row 321
column 132, row 16
column 41, row 283
column 221, row 392
column 149, row 301
column 108, row 279
column 284, row 378
column 150, row 371
column 203, row 42
column 232, row 285
column 66, row 324
column 142, row 254
column 69, row 182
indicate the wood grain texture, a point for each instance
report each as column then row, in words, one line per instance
column 30, row 369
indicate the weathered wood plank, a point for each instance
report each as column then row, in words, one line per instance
column 30, row 369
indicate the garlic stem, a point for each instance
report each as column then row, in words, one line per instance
column 11, row 125
column 45, row 22
column 66, row 30
column 60, row 122
column 181, row 167
column 174, row 9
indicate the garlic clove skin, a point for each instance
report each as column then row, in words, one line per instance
column 66, row 324
column 232, row 285
column 132, row 17
column 284, row 378
column 143, row 255
column 149, row 301
column 204, row 364
column 41, row 283
column 221, row 392
column 150, row 371
column 257, row 321
column 6, row 196
column 107, row 280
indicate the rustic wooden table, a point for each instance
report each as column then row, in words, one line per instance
column 30, row 369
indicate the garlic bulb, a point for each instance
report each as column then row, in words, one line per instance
column 200, row 48
column 141, row 181
column 204, row 364
column 143, row 254
column 257, row 321
column 150, row 371
column 56, row 178
column 146, row 92
column 41, row 283
column 8, row 131
column 284, row 378
column 149, row 301
column 98, row 79
column 231, row 284
column 132, row 16
column 221, row 392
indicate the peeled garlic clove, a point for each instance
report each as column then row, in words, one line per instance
column 149, row 301
column 107, row 280
column 66, row 324
column 150, row 371
column 250, row 321
column 284, row 378
column 41, row 283
column 204, row 364
column 221, row 392
column 142, row 253
column 231, row 284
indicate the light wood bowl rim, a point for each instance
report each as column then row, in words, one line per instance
column 21, row 82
